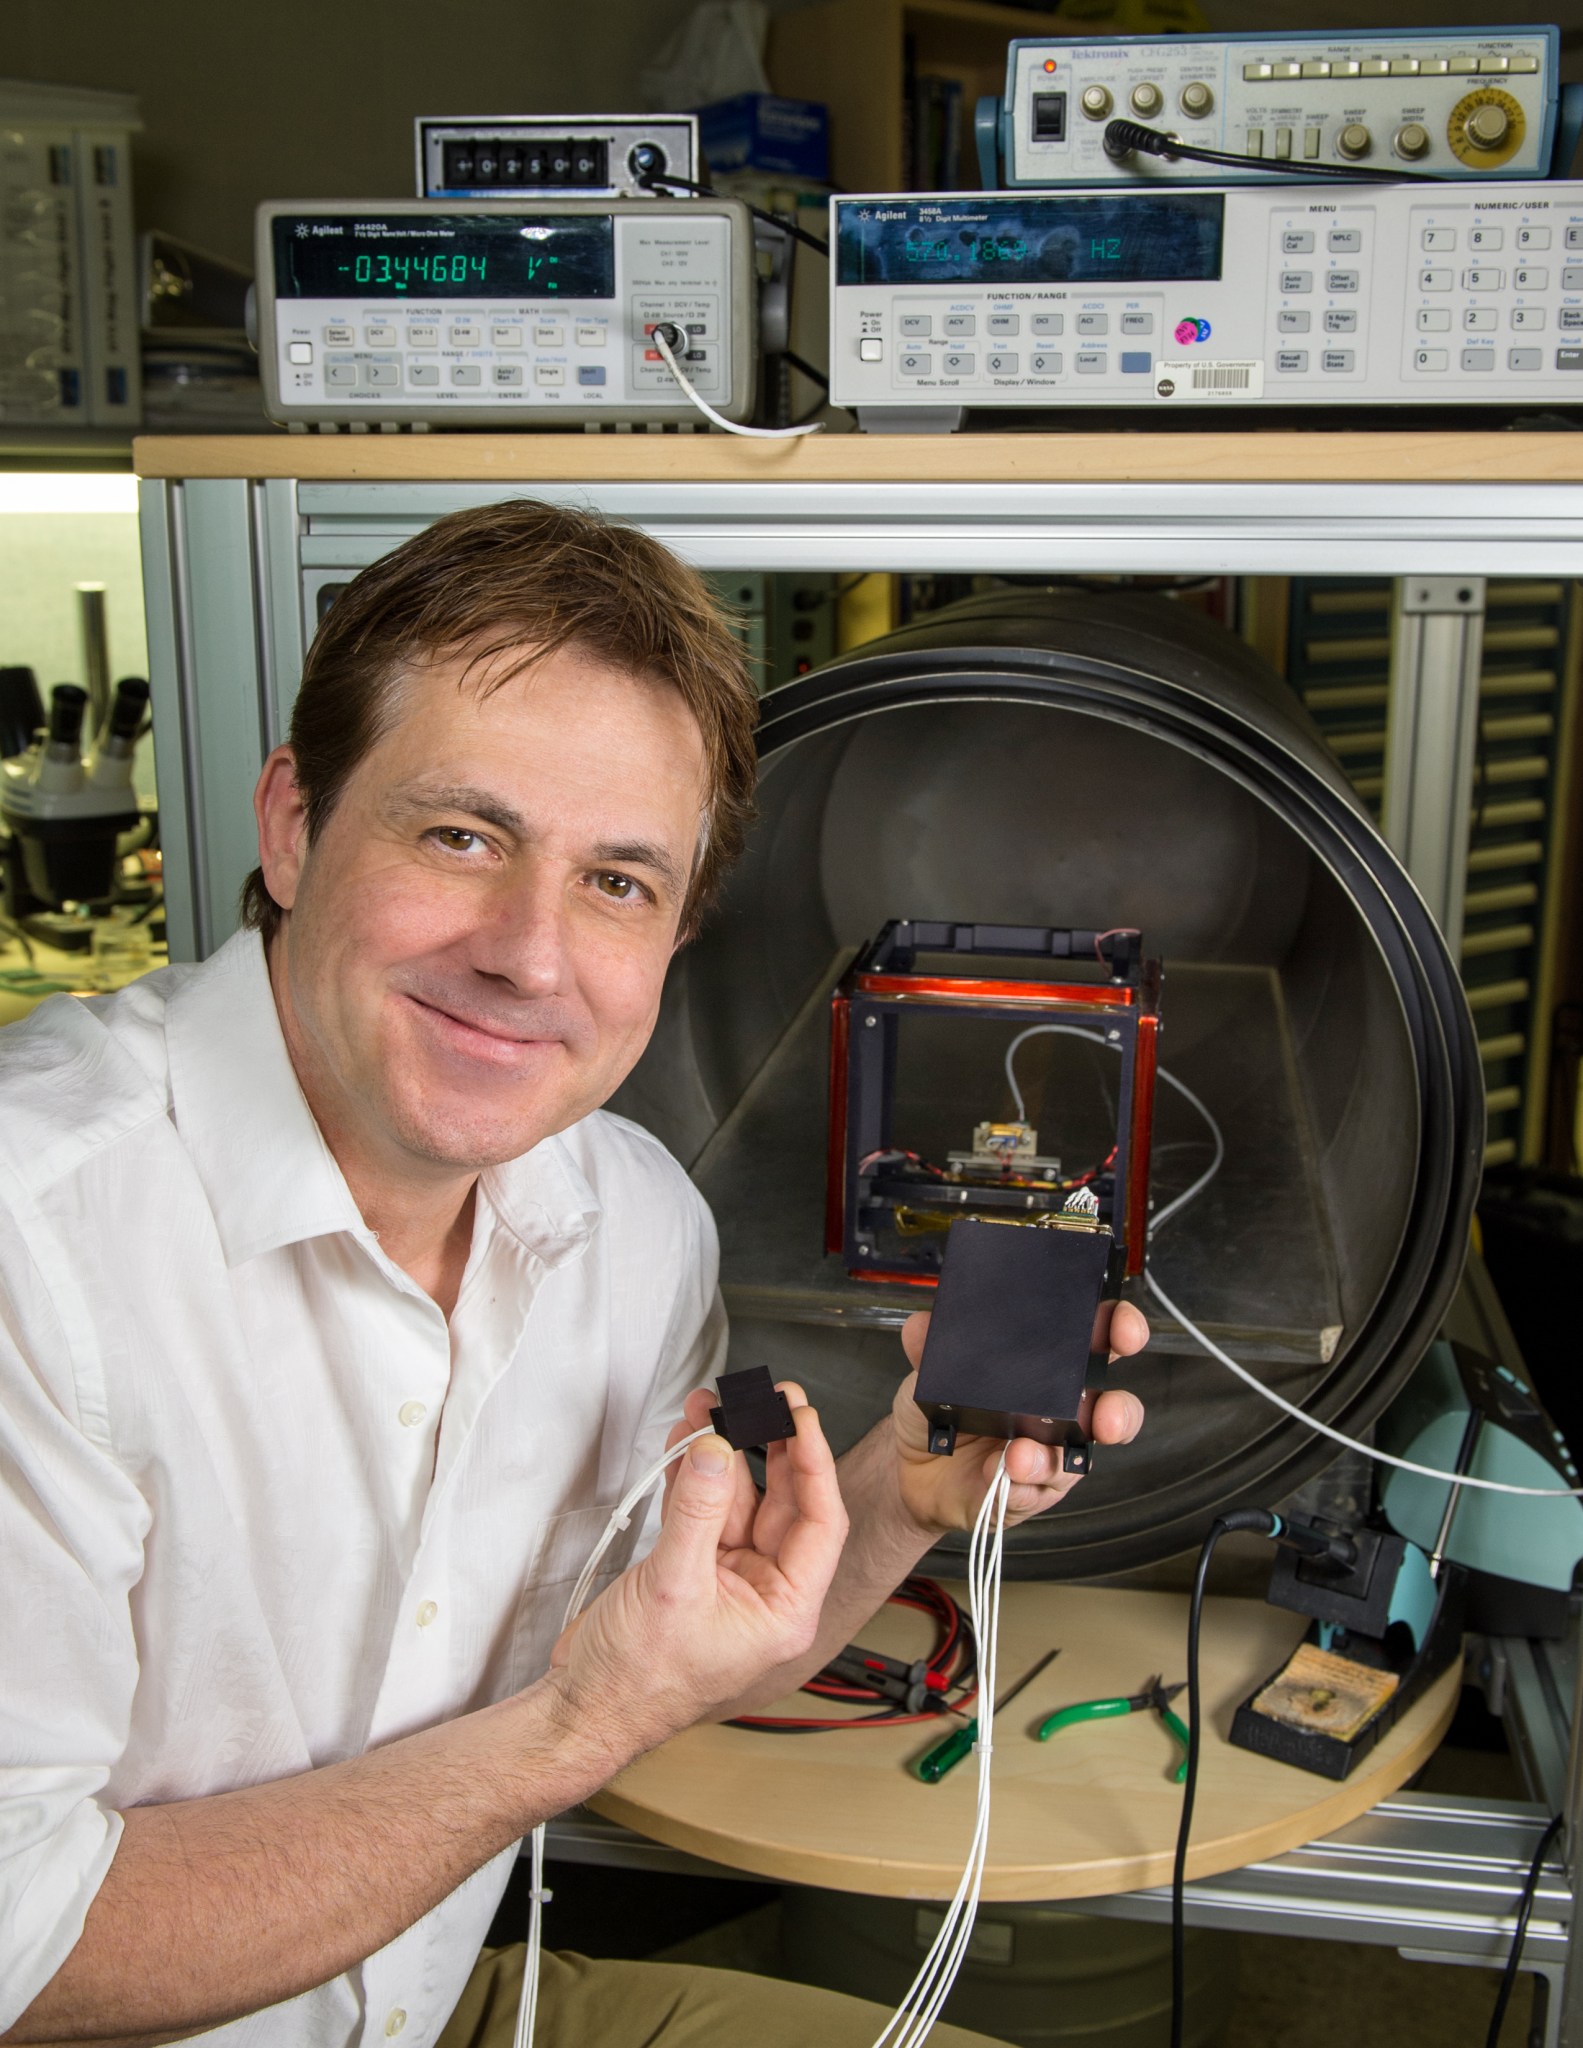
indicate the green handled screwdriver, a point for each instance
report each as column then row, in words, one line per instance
column 959, row 1743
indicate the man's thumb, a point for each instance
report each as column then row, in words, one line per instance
column 695, row 1515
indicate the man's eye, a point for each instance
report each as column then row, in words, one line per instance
column 621, row 887
column 456, row 838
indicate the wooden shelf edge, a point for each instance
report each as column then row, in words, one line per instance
column 1389, row 456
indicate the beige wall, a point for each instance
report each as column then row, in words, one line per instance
column 292, row 101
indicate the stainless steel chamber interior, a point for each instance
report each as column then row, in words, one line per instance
column 1088, row 760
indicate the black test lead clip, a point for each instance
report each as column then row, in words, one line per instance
column 1009, row 1347
column 753, row 1411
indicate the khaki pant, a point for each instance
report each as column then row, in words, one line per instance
column 585, row 2004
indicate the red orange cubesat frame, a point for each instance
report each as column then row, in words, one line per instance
column 868, row 1009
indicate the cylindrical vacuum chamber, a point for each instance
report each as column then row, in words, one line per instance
column 1050, row 759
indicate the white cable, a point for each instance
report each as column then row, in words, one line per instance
column 1339, row 1436
column 1177, row 1202
column 984, row 1596
column 620, row 1518
column 929, row 1990
column 719, row 418
column 1276, row 1400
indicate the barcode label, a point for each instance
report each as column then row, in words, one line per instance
column 1210, row 380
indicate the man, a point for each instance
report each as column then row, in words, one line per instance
column 336, row 1316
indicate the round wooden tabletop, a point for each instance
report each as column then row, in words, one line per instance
column 1090, row 1812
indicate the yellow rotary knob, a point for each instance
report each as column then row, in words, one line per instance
column 1486, row 128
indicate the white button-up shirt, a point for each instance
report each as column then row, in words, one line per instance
column 260, row 1506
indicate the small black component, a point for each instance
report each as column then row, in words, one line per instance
column 753, row 1411
column 1049, row 117
column 1009, row 1347
column 1355, row 1597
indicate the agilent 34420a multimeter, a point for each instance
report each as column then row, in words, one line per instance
column 503, row 313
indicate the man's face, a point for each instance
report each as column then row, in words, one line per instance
column 478, row 936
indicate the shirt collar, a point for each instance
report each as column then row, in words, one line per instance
column 544, row 1200
column 270, row 1178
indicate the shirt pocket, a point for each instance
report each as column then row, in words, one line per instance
column 557, row 1553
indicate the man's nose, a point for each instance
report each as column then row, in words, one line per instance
column 521, row 937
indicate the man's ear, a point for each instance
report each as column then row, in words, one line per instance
column 282, row 827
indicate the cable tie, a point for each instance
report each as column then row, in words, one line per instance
column 622, row 1522
column 541, row 1895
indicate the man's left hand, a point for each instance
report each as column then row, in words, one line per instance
column 946, row 1493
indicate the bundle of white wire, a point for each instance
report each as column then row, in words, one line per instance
column 931, row 1987
column 921, row 2007
column 620, row 1518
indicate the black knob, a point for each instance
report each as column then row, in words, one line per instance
column 67, row 704
column 126, row 713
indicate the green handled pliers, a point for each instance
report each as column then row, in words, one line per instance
column 1153, row 1696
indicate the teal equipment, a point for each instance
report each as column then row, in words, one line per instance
column 1462, row 1411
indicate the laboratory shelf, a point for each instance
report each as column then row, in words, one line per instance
column 239, row 532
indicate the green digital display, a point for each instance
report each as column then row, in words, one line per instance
column 444, row 256
column 985, row 250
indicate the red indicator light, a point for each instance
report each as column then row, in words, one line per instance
column 1049, row 63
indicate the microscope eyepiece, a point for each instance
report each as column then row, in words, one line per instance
column 67, row 706
column 128, row 708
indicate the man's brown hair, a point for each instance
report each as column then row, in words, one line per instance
column 508, row 584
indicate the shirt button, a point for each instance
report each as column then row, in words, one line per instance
column 395, row 2020
column 411, row 1413
column 426, row 1613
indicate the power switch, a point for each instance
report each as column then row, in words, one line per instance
column 870, row 349
column 1049, row 117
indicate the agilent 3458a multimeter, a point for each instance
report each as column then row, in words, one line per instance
column 503, row 313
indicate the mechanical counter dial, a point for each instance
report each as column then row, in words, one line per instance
column 1486, row 128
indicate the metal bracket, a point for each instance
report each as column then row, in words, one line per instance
column 1431, row 742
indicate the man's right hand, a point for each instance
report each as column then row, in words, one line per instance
column 728, row 1593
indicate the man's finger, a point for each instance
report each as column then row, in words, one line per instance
column 811, row 1547
column 696, row 1411
column 1030, row 1463
column 1112, row 1417
column 1117, row 1417
column 777, row 1510
column 914, row 1334
column 1119, row 1328
column 701, row 1501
